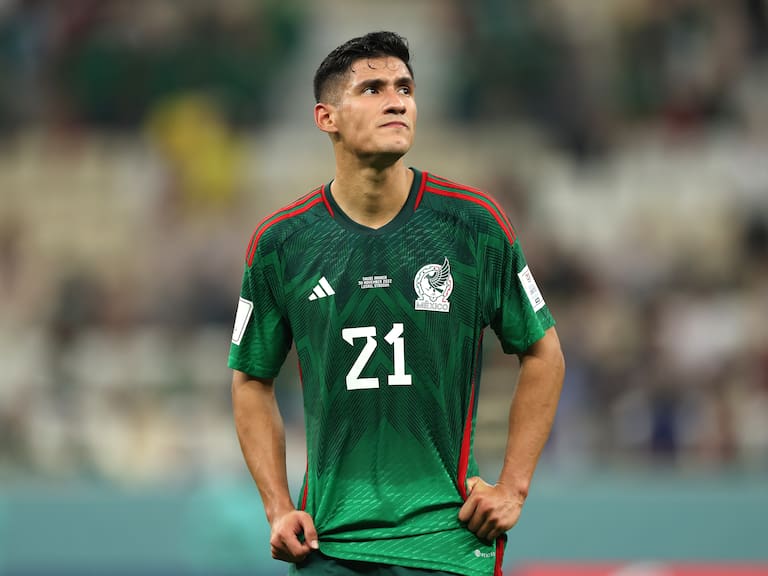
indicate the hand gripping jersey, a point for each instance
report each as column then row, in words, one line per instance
column 388, row 326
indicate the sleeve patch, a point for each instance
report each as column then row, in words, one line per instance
column 243, row 316
column 531, row 289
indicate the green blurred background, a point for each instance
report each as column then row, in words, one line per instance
column 140, row 143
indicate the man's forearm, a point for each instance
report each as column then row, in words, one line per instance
column 533, row 411
column 262, row 440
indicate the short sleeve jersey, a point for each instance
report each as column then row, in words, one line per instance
column 388, row 326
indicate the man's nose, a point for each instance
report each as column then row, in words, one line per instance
column 395, row 102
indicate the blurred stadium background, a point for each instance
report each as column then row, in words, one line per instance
column 140, row 142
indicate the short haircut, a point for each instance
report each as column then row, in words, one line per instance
column 340, row 60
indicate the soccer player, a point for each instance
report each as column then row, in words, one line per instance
column 385, row 280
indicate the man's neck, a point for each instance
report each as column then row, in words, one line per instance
column 372, row 196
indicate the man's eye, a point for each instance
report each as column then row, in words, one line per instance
column 369, row 90
column 405, row 90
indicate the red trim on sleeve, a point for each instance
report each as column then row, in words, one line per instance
column 465, row 446
column 499, row 556
column 466, row 441
column 301, row 376
column 303, row 506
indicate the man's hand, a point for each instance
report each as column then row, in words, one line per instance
column 285, row 541
column 490, row 510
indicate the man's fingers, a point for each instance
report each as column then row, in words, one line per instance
column 494, row 534
column 310, row 533
column 474, row 514
column 487, row 527
column 288, row 548
column 471, row 482
column 485, row 531
column 478, row 519
column 281, row 550
column 297, row 550
column 487, row 512
column 467, row 510
column 285, row 541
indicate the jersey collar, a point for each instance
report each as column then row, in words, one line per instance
column 399, row 220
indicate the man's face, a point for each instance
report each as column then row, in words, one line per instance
column 376, row 110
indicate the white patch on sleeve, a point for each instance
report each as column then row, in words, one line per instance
column 529, row 285
column 243, row 316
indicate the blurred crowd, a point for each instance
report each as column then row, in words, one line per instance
column 627, row 140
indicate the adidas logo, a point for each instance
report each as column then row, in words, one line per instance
column 322, row 290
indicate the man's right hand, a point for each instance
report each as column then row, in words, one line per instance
column 285, row 541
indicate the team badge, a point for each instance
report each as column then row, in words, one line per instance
column 433, row 285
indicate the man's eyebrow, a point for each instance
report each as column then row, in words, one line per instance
column 379, row 82
column 371, row 83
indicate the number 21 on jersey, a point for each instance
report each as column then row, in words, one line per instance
column 394, row 338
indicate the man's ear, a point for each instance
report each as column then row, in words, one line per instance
column 324, row 117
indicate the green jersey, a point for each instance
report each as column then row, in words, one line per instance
column 388, row 326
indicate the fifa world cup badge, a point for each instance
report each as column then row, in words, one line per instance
column 433, row 284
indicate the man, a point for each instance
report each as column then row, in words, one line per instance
column 385, row 280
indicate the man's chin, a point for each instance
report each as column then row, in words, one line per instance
column 387, row 155
column 395, row 146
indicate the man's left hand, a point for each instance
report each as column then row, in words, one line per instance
column 490, row 510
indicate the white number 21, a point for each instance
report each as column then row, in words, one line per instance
column 395, row 338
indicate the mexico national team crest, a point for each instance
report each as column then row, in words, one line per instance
column 433, row 285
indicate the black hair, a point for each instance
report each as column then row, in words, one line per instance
column 372, row 45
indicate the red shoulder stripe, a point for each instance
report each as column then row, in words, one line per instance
column 491, row 199
column 268, row 216
column 304, row 203
column 502, row 222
